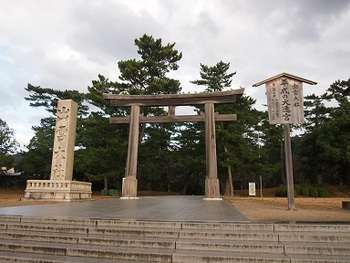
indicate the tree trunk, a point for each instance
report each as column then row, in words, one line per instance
column 184, row 189
column 106, row 184
column 227, row 187
column 229, row 175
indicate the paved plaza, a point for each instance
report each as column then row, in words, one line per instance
column 163, row 208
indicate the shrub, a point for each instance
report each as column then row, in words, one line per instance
column 113, row 192
column 323, row 190
column 313, row 191
column 281, row 191
column 297, row 189
column 305, row 190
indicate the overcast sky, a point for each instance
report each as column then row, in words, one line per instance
column 65, row 44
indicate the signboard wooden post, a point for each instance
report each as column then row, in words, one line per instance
column 285, row 106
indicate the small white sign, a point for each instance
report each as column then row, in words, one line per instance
column 123, row 186
column 252, row 191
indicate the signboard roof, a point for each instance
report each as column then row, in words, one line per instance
column 285, row 98
column 287, row 75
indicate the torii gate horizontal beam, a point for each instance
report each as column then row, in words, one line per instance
column 180, row 118
column 174, row 99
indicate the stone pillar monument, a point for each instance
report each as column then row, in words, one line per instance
column 63, row 148
column 60, row 187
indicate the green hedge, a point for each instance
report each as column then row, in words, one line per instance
column 111, row 192
column 281, row 191
column 297, row 189
column 313, row 191
column 305, row 189
column 323, row 190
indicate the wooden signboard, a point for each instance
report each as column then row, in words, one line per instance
column 285, row 98
column 285, row 101
column 285, row 106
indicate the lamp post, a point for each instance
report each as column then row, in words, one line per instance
column 260, row 177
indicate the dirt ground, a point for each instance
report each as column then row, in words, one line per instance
column 256, row 209
column 12, row 197
column 273, row 209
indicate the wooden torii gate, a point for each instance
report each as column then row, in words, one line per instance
column 212, row 189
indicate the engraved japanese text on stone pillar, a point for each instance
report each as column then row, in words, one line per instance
column 64, row 140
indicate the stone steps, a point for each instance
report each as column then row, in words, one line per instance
column 86, row 251
column 216, row 257
column 44, row 239
column 10, row 257
column 73, row 233
column 94, row 240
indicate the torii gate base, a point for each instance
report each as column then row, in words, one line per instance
column 212, row 188
column 129, row 188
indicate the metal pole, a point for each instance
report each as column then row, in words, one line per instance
column 289, row 167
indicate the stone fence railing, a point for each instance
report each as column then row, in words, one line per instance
column 60, row 190
column 58, row 185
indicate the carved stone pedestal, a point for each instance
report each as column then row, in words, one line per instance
column 212, row 189
column 57, row 190
column 129, row 188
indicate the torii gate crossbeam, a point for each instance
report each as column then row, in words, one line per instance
column 212, row 189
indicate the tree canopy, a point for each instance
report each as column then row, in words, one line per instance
column 325, row 144
column 172, row 155
column 8, row 144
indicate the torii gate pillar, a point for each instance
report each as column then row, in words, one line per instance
column 129, row 188
column 212, row 189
